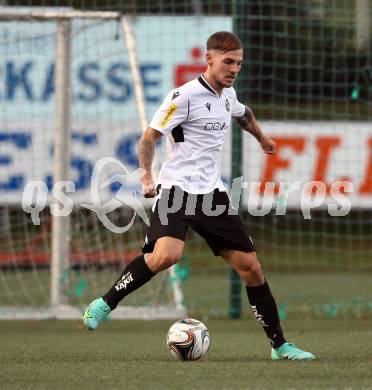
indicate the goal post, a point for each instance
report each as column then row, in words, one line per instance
column 60, row 253
column 61, row 160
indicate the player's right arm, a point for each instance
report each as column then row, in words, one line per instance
column 172, row 112
column 146, row 148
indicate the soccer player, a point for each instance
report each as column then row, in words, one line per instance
column 190, row 193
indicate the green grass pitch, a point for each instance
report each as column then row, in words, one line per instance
column 133, row 355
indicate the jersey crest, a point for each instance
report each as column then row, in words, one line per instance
column 227, row 105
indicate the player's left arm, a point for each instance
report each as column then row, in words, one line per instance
column 249, row 123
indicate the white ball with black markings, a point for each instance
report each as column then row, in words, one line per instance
column 188, row 339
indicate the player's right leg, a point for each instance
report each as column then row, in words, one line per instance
column 139, row 271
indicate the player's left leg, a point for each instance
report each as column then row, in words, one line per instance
column 263, row 303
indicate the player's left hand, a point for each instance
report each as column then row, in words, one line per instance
column 268, row 145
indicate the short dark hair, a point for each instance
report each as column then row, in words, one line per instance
column 224, row 41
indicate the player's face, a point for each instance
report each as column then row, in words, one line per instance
column 224, row 67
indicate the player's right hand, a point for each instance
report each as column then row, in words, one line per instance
column 148, row 188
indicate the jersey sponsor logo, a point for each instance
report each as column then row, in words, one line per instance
column 227, row 104
column 208, row 105
column 125, row 280
column 176, row 94
column 214, row 126
column 168, row 115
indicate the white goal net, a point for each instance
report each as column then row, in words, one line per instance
column 67, row 101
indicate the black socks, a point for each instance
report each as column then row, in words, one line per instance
column 266, row 312
column 135, row 275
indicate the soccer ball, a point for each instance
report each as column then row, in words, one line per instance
column 188, row 339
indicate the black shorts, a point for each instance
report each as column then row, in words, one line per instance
column 223, row 231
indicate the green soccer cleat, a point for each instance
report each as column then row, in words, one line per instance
column 289, row 351
column 97, row 311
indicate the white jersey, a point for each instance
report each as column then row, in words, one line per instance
column 195, row 119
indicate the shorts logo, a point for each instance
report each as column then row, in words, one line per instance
column 168, row 115
column 227, row 104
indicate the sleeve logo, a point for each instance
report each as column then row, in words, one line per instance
column 168, row 115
